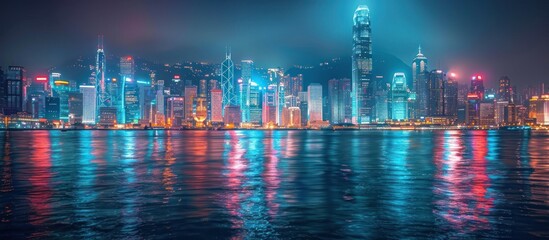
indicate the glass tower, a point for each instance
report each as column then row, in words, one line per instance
column 362, row 82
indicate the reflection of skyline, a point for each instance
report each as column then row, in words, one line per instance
column 258, row 184
column 463, row 197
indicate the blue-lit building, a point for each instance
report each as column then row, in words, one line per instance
column 399, row 97
column 420, row 85
column 227, row 81
column 363, row 84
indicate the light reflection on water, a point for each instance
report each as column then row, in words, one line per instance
column 279, row 184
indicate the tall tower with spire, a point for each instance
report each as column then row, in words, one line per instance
column 419, row 86
column 227, row 80
column 103, row 96
column 363, row 85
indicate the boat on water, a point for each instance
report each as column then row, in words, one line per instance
column 516, row 128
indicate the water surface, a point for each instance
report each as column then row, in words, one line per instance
column 279, row 184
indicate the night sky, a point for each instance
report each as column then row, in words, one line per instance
column 492, row 37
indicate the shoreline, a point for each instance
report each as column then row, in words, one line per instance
column 280, row 129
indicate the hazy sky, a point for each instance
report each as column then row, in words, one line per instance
column 493, row 37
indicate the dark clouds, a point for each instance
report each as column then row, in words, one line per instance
column 494, row 37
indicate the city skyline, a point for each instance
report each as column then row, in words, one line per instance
column 451, row 43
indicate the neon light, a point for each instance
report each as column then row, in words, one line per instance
column 142, row 82
column 41, row 78
column 61, row 82
column 128, row 79
column 176, row 77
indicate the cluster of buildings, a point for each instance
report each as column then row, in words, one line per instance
column 276, row 100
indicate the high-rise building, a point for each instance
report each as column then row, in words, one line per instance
column 304, row 107
column 269, row 105
column 504, row 92
column 451, row 96
column 339, row 95
column 419, row 65
column 202, row 88
column 247, row 68
column 103, row 94
column 314, row 99
column 382, row 102
column 255, row 104
column 175, row 111
column 362, row 82
column 13, row 90
column 227, row 81
column 61, row 89
column 232, row 116
column 499, row 111
column 88, row 102
column 107, row 116
column 542, row 110
column 52, row 109
column 36, row 97
column 291, row 117
column 76, row 107
column 437, row 83
column 216, row 106
column 399, row 97
column 293, row 84
column 477, row 86
column 487, row 108
column 129, row 107
column 190, row 97
column 244, row 99
column 472, row 109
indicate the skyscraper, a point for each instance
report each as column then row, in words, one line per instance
column 13, row 90
column 451, row 96
column 129, row 104
column 477, row 86
column 314, row 99
column 420, row 84
column 504, row 92
column 269, row 105
column 88, row 101
column 363, row 85
column 255, row 104
column 399, row 97
column 190, row 96
column 76, row 107
column 227, row 81
column 436, row 104
column 216, row 106
column 175, row 111
column 103, row 95
column 339, row 95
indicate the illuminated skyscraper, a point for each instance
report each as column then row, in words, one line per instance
column 129, row 101
column 190, row 97
column 314, row 99
column 269, row 105
column 477, row 86
column 255, row 104
column 504, row 92
column 216, row 106
column 103, row 96
column 76, row 107
column 175, row 111
column 436, row 100
column 451, row 96
column 363, row 84
column 339, row 97
column 399, row 97
column 420, row 84
column 88, row 101
column 244, row 89
column 227, row 81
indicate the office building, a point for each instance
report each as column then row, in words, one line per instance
column 339, row 95
column 216, row 106
column 88, row 102
column 362, row 82
column 399, row 98
column 76, row 107
column 13, row 90
column 314, row 100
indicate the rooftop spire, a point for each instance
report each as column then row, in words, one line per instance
column 228, row 52
column 419, row 50
column 100, row 42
